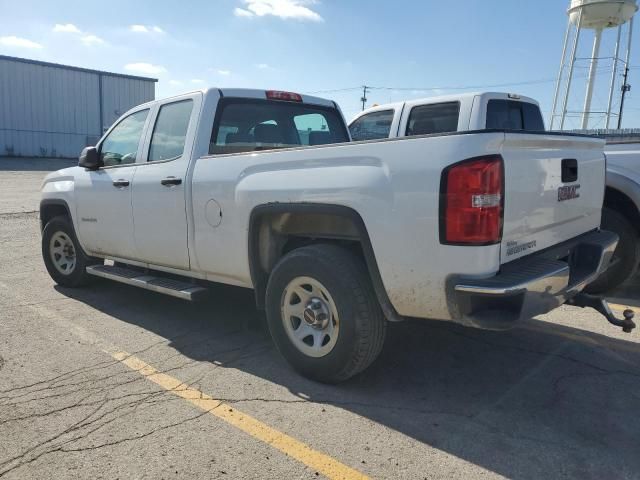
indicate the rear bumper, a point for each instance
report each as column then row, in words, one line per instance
column 532, row 285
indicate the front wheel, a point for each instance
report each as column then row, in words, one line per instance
column 323, row 314
column 62, row 254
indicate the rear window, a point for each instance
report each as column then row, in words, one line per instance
column 372, row 126
column 514, row 115
column 433, row 118
column 249, row 125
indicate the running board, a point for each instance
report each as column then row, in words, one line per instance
column 168, row 286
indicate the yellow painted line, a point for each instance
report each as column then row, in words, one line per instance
column 302, row 452
column 616, row 306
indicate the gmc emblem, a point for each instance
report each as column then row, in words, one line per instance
column 568, row 192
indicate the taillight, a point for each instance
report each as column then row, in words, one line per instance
column 471, row 205
column 286, row 96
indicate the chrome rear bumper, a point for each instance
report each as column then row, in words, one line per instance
column 533, row 285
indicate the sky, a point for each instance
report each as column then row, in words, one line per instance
column 407, row 49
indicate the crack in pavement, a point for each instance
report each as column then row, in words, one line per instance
column 92, row 424
column 50, row 386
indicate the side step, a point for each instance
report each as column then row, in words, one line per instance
column 168, row 286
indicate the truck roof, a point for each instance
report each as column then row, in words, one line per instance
column 250, row 93
column 449, row 98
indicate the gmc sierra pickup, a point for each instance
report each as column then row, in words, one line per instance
column 264, row 190
column 491, row 110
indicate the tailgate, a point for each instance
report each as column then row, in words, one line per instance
column 546, row 200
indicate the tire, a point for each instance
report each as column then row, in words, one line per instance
column 60, row 244
column 625, row 258
column 356, row 324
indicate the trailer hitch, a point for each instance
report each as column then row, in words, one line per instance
column 600, row 305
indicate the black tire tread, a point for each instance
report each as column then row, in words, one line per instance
column 371, row 322
column 79, row 277
column 629, row 241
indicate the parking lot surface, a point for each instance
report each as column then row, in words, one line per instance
column 115, row 382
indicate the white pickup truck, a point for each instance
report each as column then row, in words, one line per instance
column 491, row 110
column 264, row 190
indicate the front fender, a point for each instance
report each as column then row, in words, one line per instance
column 58, row 188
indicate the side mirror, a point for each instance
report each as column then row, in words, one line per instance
column 89, row 159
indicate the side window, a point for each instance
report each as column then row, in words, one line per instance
column 372, row 126
column 121, row 145
column 170, row 131
column 313, row 129
column 514, row 115
column 532, row 117
column 504, row 114
column 434, row 118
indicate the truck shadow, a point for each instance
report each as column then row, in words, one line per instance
column 542, row 400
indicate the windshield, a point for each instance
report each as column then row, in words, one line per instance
column 245, row 125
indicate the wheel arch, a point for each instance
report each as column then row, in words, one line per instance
column 276, row 228
column 52, row 207
column 623, row 204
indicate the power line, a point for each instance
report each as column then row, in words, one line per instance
column 367, row 87
column 335, row 90
column 459, row 87
column 468, row 87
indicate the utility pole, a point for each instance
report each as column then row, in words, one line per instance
column 363, row 99
column 625, row 88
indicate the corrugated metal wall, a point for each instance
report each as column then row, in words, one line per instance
column 53, row 111
column 118, row 95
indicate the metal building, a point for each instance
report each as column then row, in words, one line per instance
column 52, row 110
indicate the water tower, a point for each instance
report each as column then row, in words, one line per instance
column 597, row 16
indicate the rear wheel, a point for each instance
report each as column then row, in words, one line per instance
column 323, row 314
column 626, row 257
column 62, row 254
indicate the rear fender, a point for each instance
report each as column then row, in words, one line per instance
column 259, row 275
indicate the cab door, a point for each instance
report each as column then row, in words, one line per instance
column 160, row 188
column 103, row 196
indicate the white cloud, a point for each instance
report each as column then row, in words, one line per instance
column 197, row 80
column 175, row 83
column 13, row 41
column 147, row 68
column 87, row 39
column 91, row 40
column 66, row 28
column 263, row 66
column 224, row 72
column 146, row 29
column 241, row 12
column 285, row 9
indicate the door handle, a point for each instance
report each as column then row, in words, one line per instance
column 569, row 167
column 170, row 181
column 120, row 183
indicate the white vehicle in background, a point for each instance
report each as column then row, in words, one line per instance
column 469, row 112
column 621, row 212
column 264, row 190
